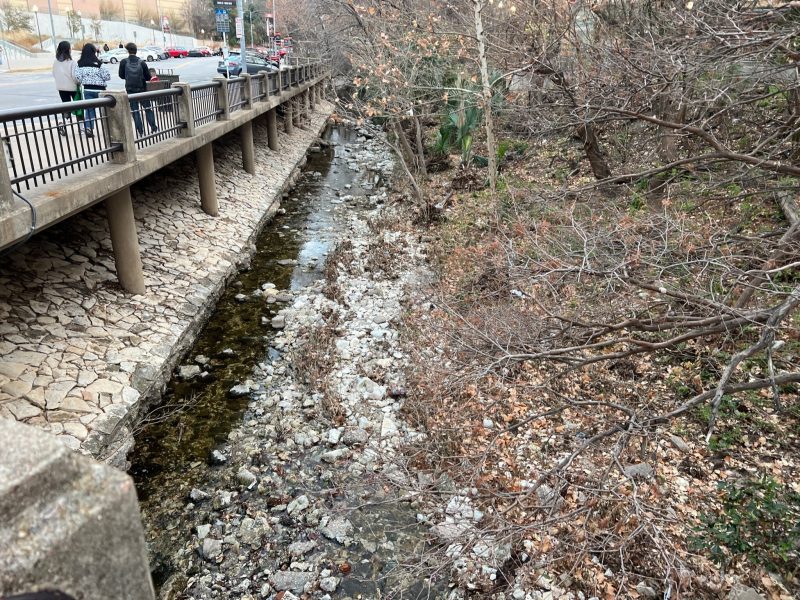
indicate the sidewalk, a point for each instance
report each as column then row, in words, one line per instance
column 27, row 65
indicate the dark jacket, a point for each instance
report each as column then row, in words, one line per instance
column 146, row 76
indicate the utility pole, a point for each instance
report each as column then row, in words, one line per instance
column 242, row 40
column 252, row 39
column 274, row 27
column 52, row 24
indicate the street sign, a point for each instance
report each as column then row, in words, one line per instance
column 223, row 22
column 224, row 4
column 239, row 27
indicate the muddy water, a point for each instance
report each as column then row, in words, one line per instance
column 171, row 456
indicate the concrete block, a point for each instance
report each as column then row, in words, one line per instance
column 67, row 523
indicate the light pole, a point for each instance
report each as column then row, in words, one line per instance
column 203, row 36
column 52, row 24
column 153, row 25
column 252, row 39
column 35, row 10
column 274, row 26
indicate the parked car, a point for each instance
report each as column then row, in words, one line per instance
column 255, row 64
column 113, row 56
column 200, row 51
column 158, row 51
column 149, row 54
column 177, row 52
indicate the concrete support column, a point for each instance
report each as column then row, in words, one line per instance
column 125, row 241
column 288, row 117
column 296, row 116
column 6, row 196
column 120, row 127
column 312, row 98
column 185, row 109
column 204, row 156
column 305, row 100
column 222, row 99
column 248, row 148
column 272, row 128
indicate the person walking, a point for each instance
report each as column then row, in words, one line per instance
column 64, row 76
column 92, row 75
column 136, row 75
column 105, row 47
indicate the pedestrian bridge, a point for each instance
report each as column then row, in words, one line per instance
column 50, row 169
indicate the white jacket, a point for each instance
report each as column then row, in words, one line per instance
column 64, row 74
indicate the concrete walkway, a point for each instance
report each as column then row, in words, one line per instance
column 27, row 65
column 77, row 353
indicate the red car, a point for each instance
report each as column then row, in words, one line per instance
column 177, row 52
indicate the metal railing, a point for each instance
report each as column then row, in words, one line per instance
column 155, row 116
column 47, row 143
column 273, row 86
column 258, row 86
column 236, row 97
column 205, row 103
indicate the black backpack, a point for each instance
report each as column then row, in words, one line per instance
column 134, row 75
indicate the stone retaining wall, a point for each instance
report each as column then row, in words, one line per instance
column 78, row 356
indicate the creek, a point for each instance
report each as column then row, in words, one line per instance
column 190, row 455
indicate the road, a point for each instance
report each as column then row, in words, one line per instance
column 18, row 90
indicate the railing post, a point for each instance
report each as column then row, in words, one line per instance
column 222, row 98
column 120, row 125
column 185, row 109
column 247, row 92
column 6, row 194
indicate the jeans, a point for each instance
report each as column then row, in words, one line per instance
column 89, row 114
column 148, row 113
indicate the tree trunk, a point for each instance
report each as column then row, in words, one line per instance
column 402, row 142
column 487, row 95
column 420, row 148
column 595, row 154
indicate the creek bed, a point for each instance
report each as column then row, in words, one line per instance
column 189, row 460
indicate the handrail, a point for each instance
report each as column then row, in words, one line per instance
column 173, row 91
column 205, row 86
column 13, row 114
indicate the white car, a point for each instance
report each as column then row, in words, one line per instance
column 113, row 56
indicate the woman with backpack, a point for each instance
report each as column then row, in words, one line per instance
column 92, row 75
column 64, row 75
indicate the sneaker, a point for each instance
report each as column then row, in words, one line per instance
column 89, row 133
column 62, row 130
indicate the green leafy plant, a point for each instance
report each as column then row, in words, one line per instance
column 759, row 521
column 463, row 116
